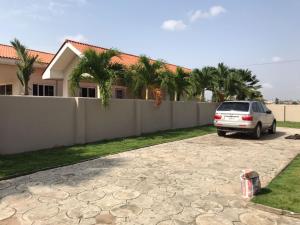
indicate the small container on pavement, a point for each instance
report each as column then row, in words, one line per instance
column 250, row 183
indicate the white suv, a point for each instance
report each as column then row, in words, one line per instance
column 244, row 116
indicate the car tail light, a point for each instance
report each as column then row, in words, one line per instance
column 217, row 117
column 247, row 118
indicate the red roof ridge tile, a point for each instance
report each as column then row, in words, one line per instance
column 33, row 50
column 82, row 43
column 129, row 54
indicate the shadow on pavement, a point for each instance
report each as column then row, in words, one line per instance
column 264, row 136
column 71, row 176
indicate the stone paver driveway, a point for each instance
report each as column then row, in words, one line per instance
column 194, row 181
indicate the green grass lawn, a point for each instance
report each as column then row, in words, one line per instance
column 288, row 124
column 284, row 191
column 24, row 163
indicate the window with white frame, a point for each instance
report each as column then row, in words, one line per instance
column 87, row 92
column 42, row 90
column 5, row 89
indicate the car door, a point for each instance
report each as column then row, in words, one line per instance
column 269, row 116
column 255, row 113
column 264, row 116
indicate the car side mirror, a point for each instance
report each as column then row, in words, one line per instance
column 269, row 112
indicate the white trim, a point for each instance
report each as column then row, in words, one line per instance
column 47, row 72
column 75, row 50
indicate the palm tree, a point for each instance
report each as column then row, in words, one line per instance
column 220, row 75
column 146, row 74
column 25, row 64
column 241, row 84
column 230, row 83
column 201, row 80
column 98, row 68
column 167, row 83
column 181, row 83
column 250, row 85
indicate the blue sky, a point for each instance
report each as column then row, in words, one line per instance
column 191, row 33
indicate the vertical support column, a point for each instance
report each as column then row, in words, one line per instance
column 80, row 121
column 172, row 114
column 284, row 113
column 138, row 117
column 198, row 113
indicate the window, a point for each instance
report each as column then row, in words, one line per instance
column 42, row 90
column 261, row 108
column 119, row 93
column 6, row 89
column 255, row 107
column 265, row 107
column 88, row 92
column 234, row 106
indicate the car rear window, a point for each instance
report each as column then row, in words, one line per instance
column 234, row 106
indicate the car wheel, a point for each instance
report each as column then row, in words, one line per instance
column 272, row 129
column 257, row 131
column 221, row 133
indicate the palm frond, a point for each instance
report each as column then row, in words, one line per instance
column 101, row 69
column 25, row 64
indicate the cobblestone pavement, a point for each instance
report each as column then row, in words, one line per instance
column 193, row 181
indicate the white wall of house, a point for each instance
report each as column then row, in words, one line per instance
column 8, row 75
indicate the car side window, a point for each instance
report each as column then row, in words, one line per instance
column 255, row 107
column 265, row 107
column 261, row 108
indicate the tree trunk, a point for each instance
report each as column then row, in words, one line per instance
column 26, row 91
column 147, row 93
column 175, row 96
column 221, row 97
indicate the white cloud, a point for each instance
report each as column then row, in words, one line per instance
column 77, row 37
column 173, row 25
column 198, row 15
column 217, row 10
column 212, row 12
column 267, row 85
column 276, row 59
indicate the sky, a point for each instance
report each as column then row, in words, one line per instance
column 263, row 36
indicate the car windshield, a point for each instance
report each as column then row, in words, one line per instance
column 234, row 106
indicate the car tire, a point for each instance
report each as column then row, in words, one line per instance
column 221, row 133
column 272, row 129
column 257, row 131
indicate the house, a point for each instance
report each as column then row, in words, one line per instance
column 52, row 74
column 9, row 83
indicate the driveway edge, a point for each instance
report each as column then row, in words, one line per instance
column 273, row 210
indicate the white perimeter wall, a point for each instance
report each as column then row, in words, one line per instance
column 285, row 112
column 30, row 123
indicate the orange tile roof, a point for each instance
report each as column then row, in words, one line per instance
column 7, row 51
column 125, row 59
